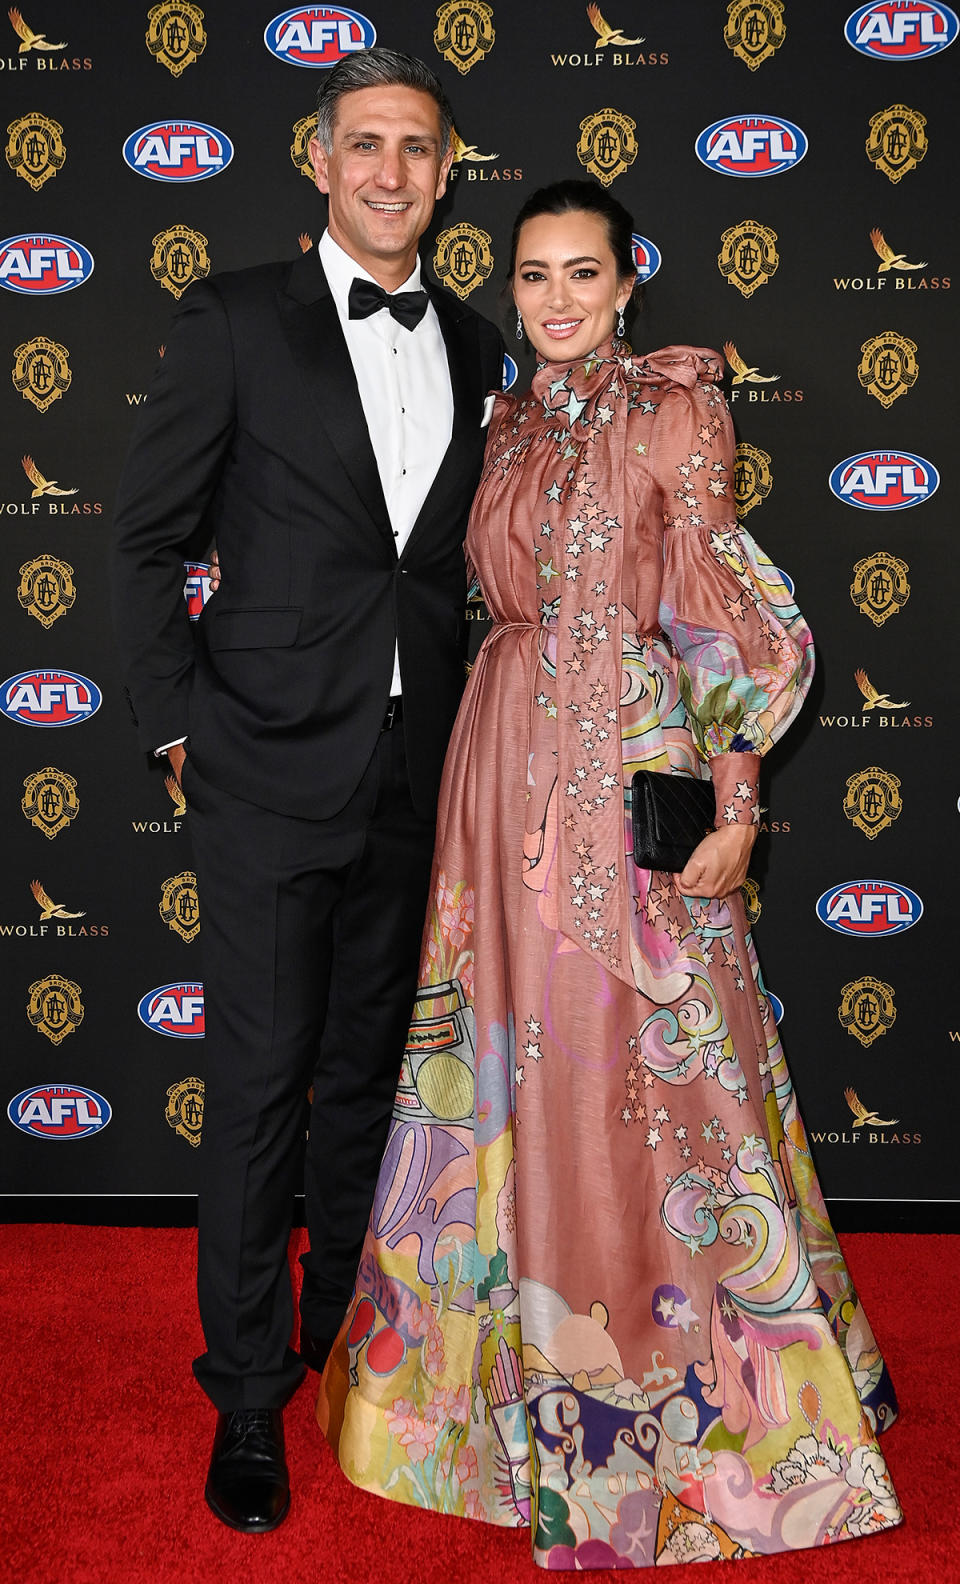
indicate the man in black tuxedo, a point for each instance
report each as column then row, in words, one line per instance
column 323, row 421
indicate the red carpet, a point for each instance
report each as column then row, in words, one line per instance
column 105, row 1436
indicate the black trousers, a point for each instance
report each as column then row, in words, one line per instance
column 310, row 935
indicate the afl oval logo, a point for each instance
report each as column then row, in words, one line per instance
column 59, row 1111
column 751, row 145
column 777, row 1005
column 178, row 151
column 646, row 257
column 49, row 698
column 901, row 30
column 884, row 480
column 510, row 372
column 786, row 580
column 318, row 35
column 40, row 265
column 174, row 1009
column 869, row 907
column 196, row 589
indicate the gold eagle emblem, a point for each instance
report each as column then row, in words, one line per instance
column 607, row 35
column 48, row 908
column 30, row 40
column 872, row 699
column 888, row 258
column 466, row 151
column 41, row 485
column 741, row 370
column 861, row 1116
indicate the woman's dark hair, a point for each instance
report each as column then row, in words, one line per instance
column 568, row 197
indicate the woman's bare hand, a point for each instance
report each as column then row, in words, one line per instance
column 719, row 864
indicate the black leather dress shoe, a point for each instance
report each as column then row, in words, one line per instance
column 248, row 1486
column 314, row 1350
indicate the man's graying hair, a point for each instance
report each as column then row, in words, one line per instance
column 379, row 68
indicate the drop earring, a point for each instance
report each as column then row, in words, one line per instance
column 519, row 325
column 621, row 327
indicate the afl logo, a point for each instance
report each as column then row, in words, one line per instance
column 196, row 589
column 901, row 30
column 178, row 151
column 884, row 480
column 49, row 698
column 318, row 35
column 786, row 580
column 646, row 257
column 777, row 1006
column 751, row 145
column 869, row 907
column 510, row 372
column 41, row 265
column 59, row 1111
column 174, row 1009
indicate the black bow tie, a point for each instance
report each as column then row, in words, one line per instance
column 366, row 298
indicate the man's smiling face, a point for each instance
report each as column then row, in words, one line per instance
column 383, row 176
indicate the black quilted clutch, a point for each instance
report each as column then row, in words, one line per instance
column 671, row 816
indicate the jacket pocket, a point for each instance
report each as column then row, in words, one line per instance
column 265, row 627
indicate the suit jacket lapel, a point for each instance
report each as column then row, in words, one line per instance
column 460, row 339
column 312, row 328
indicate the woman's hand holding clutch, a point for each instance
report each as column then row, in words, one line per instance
column 719, row 864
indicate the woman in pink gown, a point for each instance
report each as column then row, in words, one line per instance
column 600, row 1295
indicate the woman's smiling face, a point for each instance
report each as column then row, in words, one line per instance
column 566, row 285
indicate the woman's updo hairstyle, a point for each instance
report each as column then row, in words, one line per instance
column 568, row 197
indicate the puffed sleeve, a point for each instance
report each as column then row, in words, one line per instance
column 745, row 653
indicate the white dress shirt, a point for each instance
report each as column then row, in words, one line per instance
column 404, row 384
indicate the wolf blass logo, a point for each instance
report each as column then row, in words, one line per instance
column 36, row 47
column 890, row 260
column 867, row 1126
column 48, row 497
column 164, row 827
column 56, row 921
column 615, row 45
column 877, row 699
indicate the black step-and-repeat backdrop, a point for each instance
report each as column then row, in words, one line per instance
column 790, row 167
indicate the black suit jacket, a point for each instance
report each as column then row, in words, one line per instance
column 253, row 434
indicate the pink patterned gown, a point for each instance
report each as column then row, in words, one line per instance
column 600, row 1295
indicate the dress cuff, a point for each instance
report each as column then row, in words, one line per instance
column 736, row 778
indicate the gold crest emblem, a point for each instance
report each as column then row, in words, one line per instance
column 748, row 256
column 35, row 148
column 866, row 1009
column 873, row 800
column 179, row 257
column 28, row 39
column 184, row 1111
column 897, row 141
column 608, row 144
column 464, row 32
column 50, row 800
column 752, row 478
column 54, row 1007
column 880, row 588
column 752, row 905
column 303, row 131
column 180, row 905
column 463, row 259
column 41, row 371
column 46, row 588
column 175, row 35
column 754, row 29
column 888, row 366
